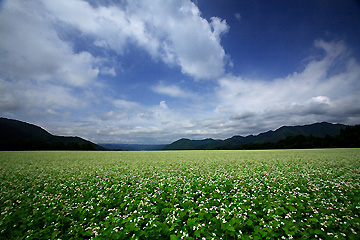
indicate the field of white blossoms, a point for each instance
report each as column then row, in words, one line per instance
column 280, row 194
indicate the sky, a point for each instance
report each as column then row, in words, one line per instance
column 151, row 72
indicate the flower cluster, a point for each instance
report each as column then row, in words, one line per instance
column 281, row 194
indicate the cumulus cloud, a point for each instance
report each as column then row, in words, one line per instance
column 40, row 73
column 173, row 31
column 35, row 49
column 53, row 55
column 318, row 93
column 110, row 26
column 31, row 48
column 327, row 89
column 219, row 27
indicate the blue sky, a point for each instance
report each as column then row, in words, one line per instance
column 155, row 71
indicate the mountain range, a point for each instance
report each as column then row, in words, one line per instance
column 18, row 135
column 132, row 147
column 319, row 130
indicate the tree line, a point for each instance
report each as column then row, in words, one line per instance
column 349, row 137
column 18, row 145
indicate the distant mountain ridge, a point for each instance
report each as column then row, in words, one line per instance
column 132, row 147
column 18, row 135
column 317, row 130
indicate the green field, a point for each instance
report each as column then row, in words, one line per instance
column 280, row 194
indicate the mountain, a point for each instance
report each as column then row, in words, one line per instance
column 187, row 144
column 317, row 130
column 18, row 135
column 132, row 147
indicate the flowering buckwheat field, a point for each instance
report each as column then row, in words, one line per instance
column 281, row 194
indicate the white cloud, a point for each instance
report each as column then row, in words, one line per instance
column 121, row 103
column 79, row 71
column 39, row 71
column 27, row 95
column 139, row 124
column 41, row 67
column 43, row 70
column 241, row 106
column 219, row 27
column 112, row 27
column 332, row 49
column 321, row 100
column 172, row 91
column 108, row 71
column 163, row 105
column 172, row 30
column 315, row 94
column 30, row 48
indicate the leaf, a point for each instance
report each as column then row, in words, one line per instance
column 231, row 228
column 182, row 214
column 286, row 229
column 249, row 222
column 292, row 208
column 173, row 227
column 315, row 220
column 173, row 237
column 257, row 237
column 54, row 234
column 201, row 215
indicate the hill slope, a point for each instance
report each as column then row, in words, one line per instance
column 316, row 130
column 18, row 135
column 187, row 144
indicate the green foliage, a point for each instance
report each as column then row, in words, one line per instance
column 279, row 194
